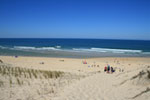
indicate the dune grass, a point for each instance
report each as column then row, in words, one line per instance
column 26, row 73
column 28, row 80
column 1, row 83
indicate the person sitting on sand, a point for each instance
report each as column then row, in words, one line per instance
column 16, row 56
column 112, row 70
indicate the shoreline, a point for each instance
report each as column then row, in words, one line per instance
column 76, row 57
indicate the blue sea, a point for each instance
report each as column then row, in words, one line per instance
column 74, row 48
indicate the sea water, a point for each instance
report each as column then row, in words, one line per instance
column 76, row 48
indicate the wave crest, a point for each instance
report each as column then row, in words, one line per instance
column 100, row 50
column 109, row 50
column 34, row 48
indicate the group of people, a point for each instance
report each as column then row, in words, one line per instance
column 84, row 62
column 109, row 69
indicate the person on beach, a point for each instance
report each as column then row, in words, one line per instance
column 105, row 69
column 108, row 69
column 84, row 62
column 112, row 70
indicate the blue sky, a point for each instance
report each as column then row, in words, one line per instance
column 106, row 19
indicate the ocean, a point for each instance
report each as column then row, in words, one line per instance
column 74, row 48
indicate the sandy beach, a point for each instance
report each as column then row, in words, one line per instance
column 74, row 80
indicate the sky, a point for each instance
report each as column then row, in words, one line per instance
column 101, row 19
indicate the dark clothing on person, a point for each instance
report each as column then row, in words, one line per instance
column 108, row 68
column 105, row 69
column 112, row 70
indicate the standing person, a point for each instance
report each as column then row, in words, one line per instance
column 105, row 69
column 108, row 69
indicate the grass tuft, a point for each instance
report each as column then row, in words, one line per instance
column 1, row 83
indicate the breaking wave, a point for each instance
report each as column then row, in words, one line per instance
column 35, row 48
column 59, row 48
column 108, row 50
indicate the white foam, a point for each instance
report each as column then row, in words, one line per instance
column 23, row 47
column 146, row 53
column 108, row 50
column 101, row 50
column 34, row 48
column 58, row 46
column 3, row 47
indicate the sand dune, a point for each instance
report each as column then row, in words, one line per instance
column 102, row 86
column 79, row 81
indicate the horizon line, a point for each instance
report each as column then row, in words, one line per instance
column 70, row 38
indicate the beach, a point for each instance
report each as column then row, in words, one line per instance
column 74, row 50
column 74, row 80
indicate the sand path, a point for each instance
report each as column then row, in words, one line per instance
column 91, row 88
